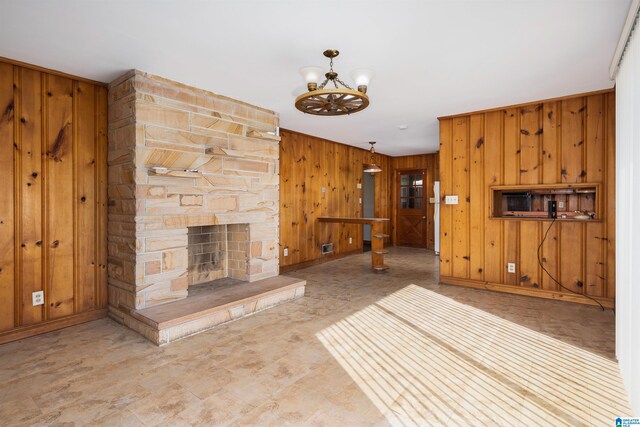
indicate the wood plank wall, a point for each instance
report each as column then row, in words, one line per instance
column 424, row 161
column 565, row 140
column 307, row 164
column 52, row 199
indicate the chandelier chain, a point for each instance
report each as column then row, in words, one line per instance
column 324, row 83
column 343, row 84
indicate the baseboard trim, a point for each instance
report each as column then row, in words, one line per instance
column 530, row 292
column 305, row 264
column 51, row 325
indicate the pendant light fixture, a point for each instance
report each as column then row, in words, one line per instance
column 321, row 100
column 372, row 167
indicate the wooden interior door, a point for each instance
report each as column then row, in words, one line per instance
column 411, row 215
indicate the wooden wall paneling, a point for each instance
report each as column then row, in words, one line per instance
column 60, row 198
column 551, row 173
column 7, row 224
column 493, row 264
column 383, row 203
column 302, row 176
column 571, row 261
column 531, row 130
column 550, row 255
column 333, row 193
column 595, row 156
column 446, row 211
column 573, row 140
column 610, row 191
column 529, row 153
column 86, row 136
column 430, row 178
column 29, row 90
column 339, row 189
column 511, row 175
column 327, row 171
column 355, row 155
column 309, row 163
column 460, row 183
column 316, row 198
column 476, row 197
column 510, row 235
column 53, row 200
column 551, row 137
column 511, row 147
column 101, row 196
column 294, row 248
column 529, row 240
column 286, row 196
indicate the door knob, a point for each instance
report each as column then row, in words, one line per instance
column 424, row 217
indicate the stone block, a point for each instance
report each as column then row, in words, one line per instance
column 175, row 260
column 150, row 192
column 152, row 114
column 153, row 267
column 155, row 244
column 246, row 165
column 214, row 122
column 191, row 200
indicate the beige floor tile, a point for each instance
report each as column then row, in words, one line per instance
column 360, row 349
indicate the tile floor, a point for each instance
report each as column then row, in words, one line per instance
column 358, row 349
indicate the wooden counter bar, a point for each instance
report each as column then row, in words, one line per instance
column 377, row 237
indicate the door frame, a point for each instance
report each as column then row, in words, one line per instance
column 396, row 202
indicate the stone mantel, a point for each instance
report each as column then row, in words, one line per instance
column 183, row 157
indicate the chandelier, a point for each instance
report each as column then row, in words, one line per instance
column 372, row 167
column 321, row 100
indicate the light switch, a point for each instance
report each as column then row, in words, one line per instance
column 432, row 199
column 324, row 189
column 359, row 185
column 451, row 200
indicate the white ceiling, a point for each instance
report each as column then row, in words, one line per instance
column 431, row 58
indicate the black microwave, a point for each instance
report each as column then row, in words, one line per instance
column 518, row 202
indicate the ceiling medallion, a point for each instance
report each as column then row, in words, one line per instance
column 342, row 99
column 372, row 167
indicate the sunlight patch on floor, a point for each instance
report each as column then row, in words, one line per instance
column 426, row 359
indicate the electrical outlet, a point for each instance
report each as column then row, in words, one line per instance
column 37, row 298
column 359, row 185
column 560, row 205
column 511, row 267
column 286, row 251
column 324, row 189
column 350, row 240
column 451, row 200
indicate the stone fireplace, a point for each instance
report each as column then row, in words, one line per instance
column 193, row 191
